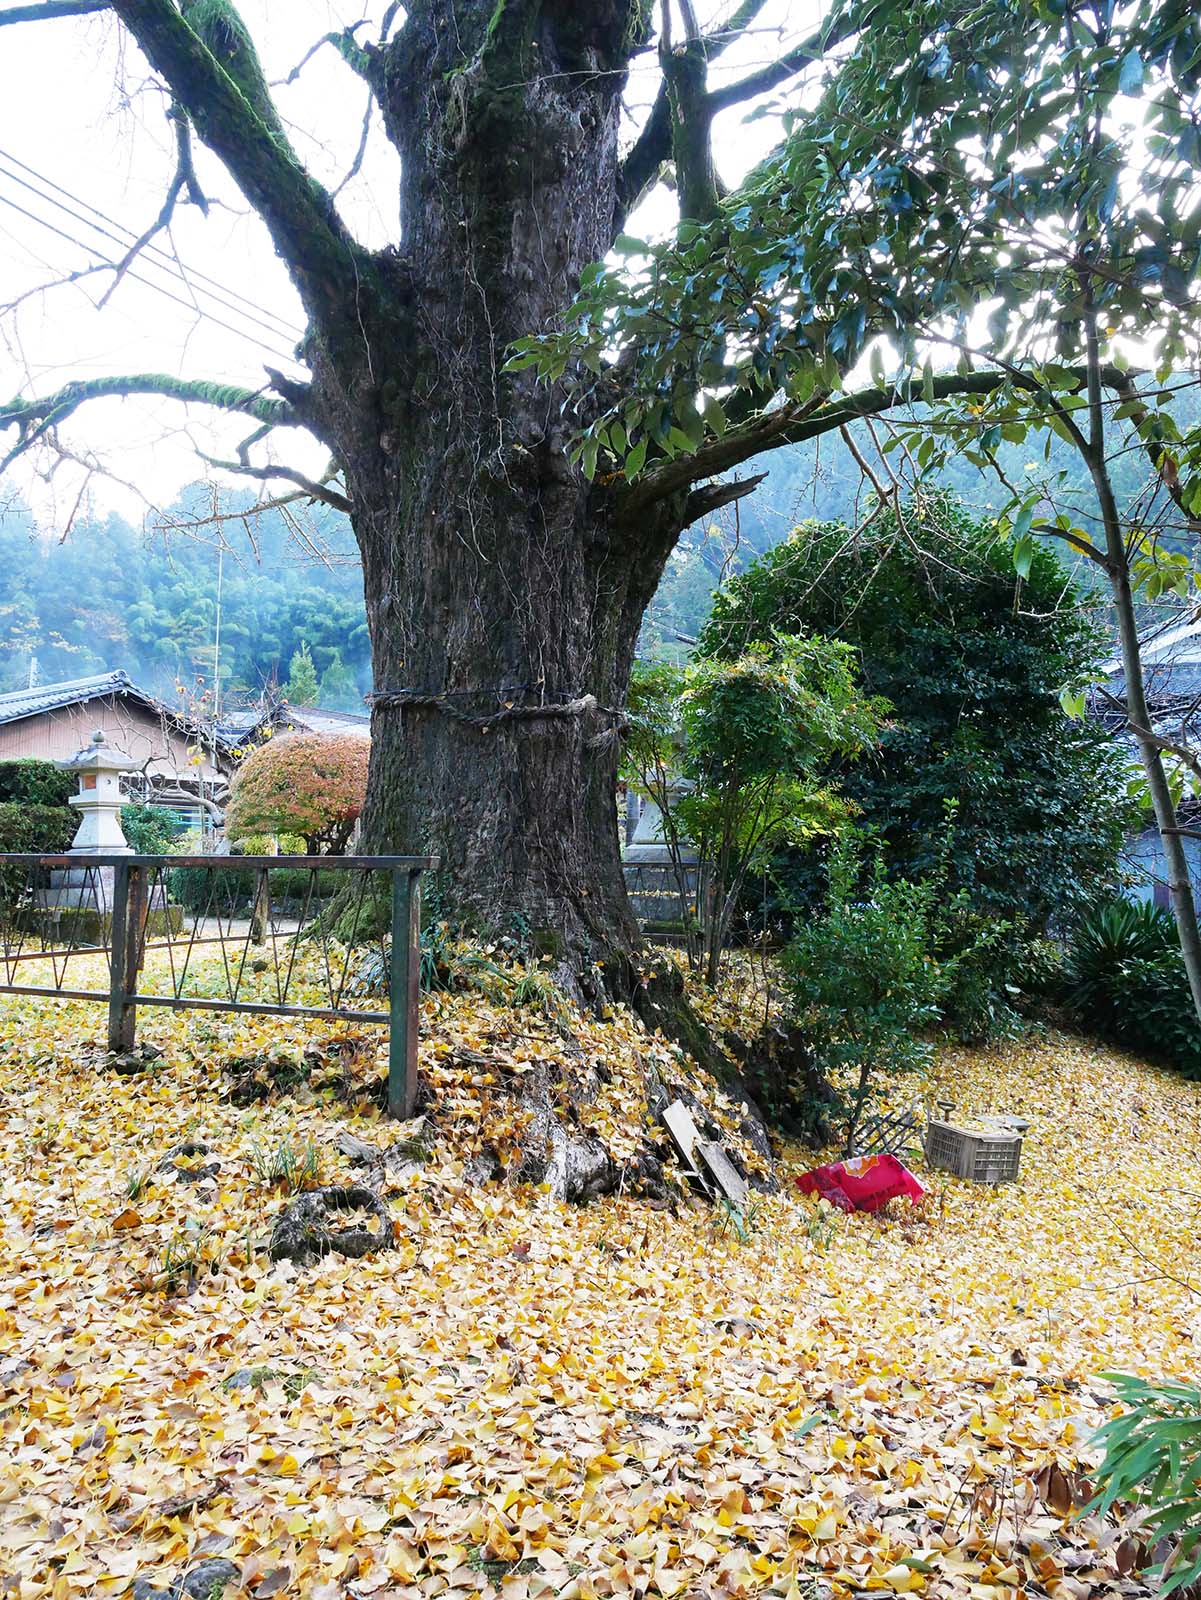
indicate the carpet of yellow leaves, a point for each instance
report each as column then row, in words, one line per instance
column 526, row 1400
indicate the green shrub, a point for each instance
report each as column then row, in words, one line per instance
column 209, row 890
column 930, row 602
column 149, row 830
column 862, row 985
column 294, row 883
column 1126, row 981
column 1113, row 934
column 28, row 829
column 1156, row 1013
column 1152, row 1459
column 981, row 958
column 47, row 830
column 35, row 783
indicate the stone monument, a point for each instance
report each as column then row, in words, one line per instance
column 78, row 901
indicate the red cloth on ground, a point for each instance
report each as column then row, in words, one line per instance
column 864, row 1183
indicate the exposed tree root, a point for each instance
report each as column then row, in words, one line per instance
column 304, row 1232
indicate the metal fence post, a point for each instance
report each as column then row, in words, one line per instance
column 404, row 979
column 122, row 1017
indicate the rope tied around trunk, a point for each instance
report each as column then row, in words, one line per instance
column 584, row 705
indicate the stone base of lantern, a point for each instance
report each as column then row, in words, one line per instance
column 76, row 907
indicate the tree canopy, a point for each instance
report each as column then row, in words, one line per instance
column 980, row 779
column 986, row 210
column 306, row 784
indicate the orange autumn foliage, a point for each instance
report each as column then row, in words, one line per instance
column 311, row 784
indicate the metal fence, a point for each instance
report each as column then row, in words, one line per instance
column 282, row 944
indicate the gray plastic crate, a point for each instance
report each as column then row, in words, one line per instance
column 992, row 1157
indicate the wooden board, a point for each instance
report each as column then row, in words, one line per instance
column 724, row 1174
column 685, row 1134
column 686, row 1137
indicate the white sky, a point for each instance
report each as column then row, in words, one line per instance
column 79, row 107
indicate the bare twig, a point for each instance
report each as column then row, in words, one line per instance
column 184, row 180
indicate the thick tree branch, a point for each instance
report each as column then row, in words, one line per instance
column 790, row 425
column 771, row 430
column 815, row 48
column 685, row 70
column 712, row 496
column 653, row 145
column 49, row 9
column 1146, row 735
column 300, row 215
column 34, row 419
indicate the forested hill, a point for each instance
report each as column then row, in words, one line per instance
column 111, row 596
column 821, row 481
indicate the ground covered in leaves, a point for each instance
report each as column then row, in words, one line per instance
column 523, row 1399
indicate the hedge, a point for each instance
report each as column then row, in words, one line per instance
column 44, row 830
column 35, row 783
column 48, row 830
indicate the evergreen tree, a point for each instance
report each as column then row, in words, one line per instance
column 338, row 691
column 301, row 687
column 980, row 776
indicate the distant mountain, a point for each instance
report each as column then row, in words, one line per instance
column 110, row 596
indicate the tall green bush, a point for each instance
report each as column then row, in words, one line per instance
column 149, row 830
column 1126, row 981
column 44, row 830
column 30, row 830
column 972, row 659
column 748, row 738
column 35, row 783
column 862, row 985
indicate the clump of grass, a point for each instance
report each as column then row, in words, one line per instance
column 286, row 1165
column 257, row 1378
column 740, row 1221
column 138, row 1180
column 538, row 989
column 187, row 1253
column 822, row 1225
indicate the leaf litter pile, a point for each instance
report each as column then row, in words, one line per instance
column 520, row 1398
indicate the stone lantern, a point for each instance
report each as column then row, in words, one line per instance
column 99, row 800
column 77, row 903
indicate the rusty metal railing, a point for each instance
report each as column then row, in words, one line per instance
column 280, row 955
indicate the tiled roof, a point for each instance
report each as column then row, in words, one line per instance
column 53, row 696
column 317, row 721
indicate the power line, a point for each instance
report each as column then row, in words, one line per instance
column 225, row 298
column 170, row 260
column 192, row 303
column 188, row 305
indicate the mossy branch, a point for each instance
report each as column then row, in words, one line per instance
column 34, row 419
column 49, row 9
column 299, row 213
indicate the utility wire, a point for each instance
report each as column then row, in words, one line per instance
column 188, row 305
column 172, row 263
column 192, row 303
column 230, row 299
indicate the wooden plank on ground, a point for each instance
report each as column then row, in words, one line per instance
column 725, row 1175
column 686, row 1137
column 685, row 1134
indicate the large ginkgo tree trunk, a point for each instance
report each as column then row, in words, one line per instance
column 504, row 585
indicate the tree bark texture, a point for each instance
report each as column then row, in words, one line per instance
column 504, row 591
